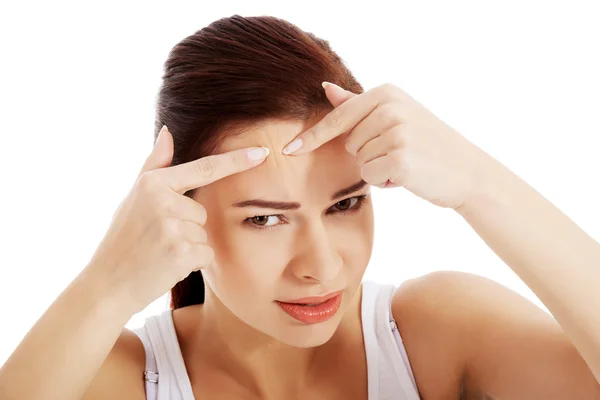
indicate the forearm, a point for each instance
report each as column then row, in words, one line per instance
column 60, row 355
column 548, row 251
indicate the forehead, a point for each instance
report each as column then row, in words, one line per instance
column 270, row 133
column 288, row 178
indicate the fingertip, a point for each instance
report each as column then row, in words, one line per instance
column 257, row 155
column 267, row 151
column 162, row 152
column 160, row 134
column 293, row 147
column 327, row 85
column 336, row 96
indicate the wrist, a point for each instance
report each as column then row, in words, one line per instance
column 104, row 295
column 490, row 185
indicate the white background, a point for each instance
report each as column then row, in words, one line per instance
column 77, row 89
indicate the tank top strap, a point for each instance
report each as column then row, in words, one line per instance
column 150, row 370
column 165, row 376
column 391, row 376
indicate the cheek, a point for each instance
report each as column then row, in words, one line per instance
column 247, row 261
column 357, row 240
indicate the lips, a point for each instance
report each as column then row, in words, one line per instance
column 314, row 299
column 312, row 310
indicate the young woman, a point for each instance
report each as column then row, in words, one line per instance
column 254, row 210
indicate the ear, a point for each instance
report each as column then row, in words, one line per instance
column 336, row 94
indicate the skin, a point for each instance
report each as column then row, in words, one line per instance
column 455, row 348
column 466, row 336
column 306, row 252
column 398, row 142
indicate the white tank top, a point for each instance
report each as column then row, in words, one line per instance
column 389, row 372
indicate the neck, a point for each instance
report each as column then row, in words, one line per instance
column 260, row 365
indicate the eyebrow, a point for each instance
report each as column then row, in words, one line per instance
column 293, row 205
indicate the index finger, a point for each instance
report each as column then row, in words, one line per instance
column 206, row 170
column 341, row 119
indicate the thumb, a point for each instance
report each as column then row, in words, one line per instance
column 162, row 153
column 336, row 94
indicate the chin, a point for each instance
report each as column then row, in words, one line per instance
column 306, row 336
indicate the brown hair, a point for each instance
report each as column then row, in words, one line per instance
column 236, row 72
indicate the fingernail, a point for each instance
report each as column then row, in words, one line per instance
column 258, row 154
column 292, row 147
column 326, row 84
column 164, row 128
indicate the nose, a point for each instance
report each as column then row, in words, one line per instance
column 316, row 259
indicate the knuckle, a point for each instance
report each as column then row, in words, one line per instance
column 179, row 248
column 170, row 207
column 311, row 136
column 388, row 113
column 366, row 173
column 148, row 181
column 202, row 214
column 350, row 148
column 352, row 144
column 206, row 166
column 165, row 206
column 202, row 235
column 195, row 234
column 170, row 229
column 389, row 90
column 361, row 158
column 395, row 138
column 397, row 158
column 334, row 119
column 207, row 255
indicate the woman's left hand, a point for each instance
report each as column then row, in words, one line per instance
column 398, row 142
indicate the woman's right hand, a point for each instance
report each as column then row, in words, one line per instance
column 156, row 237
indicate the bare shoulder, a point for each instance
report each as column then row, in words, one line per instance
column 478, row 336
column 457, row 295
column 429, row 318
column 121, row 374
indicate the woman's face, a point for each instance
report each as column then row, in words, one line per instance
column 309, row 242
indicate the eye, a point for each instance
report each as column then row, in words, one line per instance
column 344, row 207
column 349, row 205
column 346, row 203
column 264, row 220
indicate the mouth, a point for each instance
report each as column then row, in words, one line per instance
column 312, row 310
